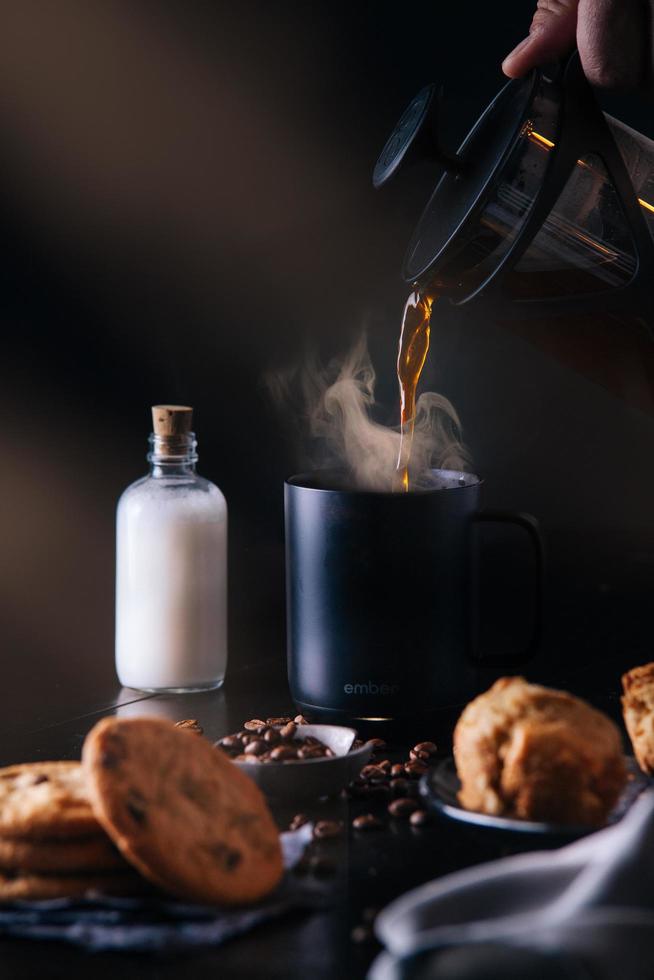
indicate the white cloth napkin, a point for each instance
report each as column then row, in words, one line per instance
column 589, row 904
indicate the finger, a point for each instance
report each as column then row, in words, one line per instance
column 551, row 35
column 614, row 39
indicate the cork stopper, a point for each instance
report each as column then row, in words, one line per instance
column 171, row 420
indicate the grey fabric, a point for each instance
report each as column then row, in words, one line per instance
column 587, row 909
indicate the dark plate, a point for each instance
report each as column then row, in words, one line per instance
column 440, row 786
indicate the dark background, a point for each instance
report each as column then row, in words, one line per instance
column 186, row 204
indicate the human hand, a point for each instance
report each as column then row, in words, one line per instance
column 614, row 39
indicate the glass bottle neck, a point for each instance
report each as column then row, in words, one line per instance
column 172, row 456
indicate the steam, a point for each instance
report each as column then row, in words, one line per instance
column 336, row 403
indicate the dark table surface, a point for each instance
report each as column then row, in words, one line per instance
column 43, row 722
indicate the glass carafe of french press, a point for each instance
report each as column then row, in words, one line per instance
column 547, row 207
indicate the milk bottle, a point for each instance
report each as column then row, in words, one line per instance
column 171, row 568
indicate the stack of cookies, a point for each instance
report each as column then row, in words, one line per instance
column 51, row 844
column 151, row 806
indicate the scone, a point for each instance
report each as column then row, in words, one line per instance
column 638, row 712
column 526, row 751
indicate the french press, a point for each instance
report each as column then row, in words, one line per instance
column 547, row 206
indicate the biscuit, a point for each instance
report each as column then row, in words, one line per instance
column 86, row 854
column 526, row 751
column 638, row 712
column 181, row 812
column 45, row 800
column 34, row 887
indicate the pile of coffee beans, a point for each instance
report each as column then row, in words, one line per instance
column 273, row 740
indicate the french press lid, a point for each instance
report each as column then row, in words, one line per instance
column 503, row 192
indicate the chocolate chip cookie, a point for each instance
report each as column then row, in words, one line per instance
column 75, row 854
column 181, row 812
column 45, row 800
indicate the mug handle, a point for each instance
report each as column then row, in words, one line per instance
column 531, row 527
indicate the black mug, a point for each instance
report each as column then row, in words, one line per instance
column 380, row 613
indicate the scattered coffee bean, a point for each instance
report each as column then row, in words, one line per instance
column 414, row 770
column 272, row 736
column 397, row 770
column 417, row 756
column 400, row 787
column 367, row 821
column 429, row 747
column 255, row 725
column 385, row 764
column 300, row 720
column 361, row 934
column 377, row 744
column 298, row 821
column 420, row 818
column 191, row 725
column 257, row 747
column 277, row 722
column 404, row 806
column 289, row 730
column 327, row 830
column 373, row 773
column 321, row 866
column 377, row 791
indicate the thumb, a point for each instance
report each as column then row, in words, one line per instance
column 552, row 34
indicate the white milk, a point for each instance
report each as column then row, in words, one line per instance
column 171, row 579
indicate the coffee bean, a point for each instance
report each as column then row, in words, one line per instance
column 402, row 807
column 255, row 725
column 191, row 725
column 357, row 744
column 417, row 756
column 300, row 720
column 312, row 752
column 414, row 770
column 283, row 753
column 327, row 830
column 420, row 818
column 377, row 791
column 429, row 747
column 298, row 821
column 377, row 744
column 230, row 742
column 289, row 730
column 385, row 764
column 278, row 722
column 321, row 866
column 397, row 770
column 373, row 773
column 400, row 787
column 367, row 821
column 257, row 747
column 272, row 736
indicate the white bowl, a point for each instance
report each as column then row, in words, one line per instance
column 311, row 778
